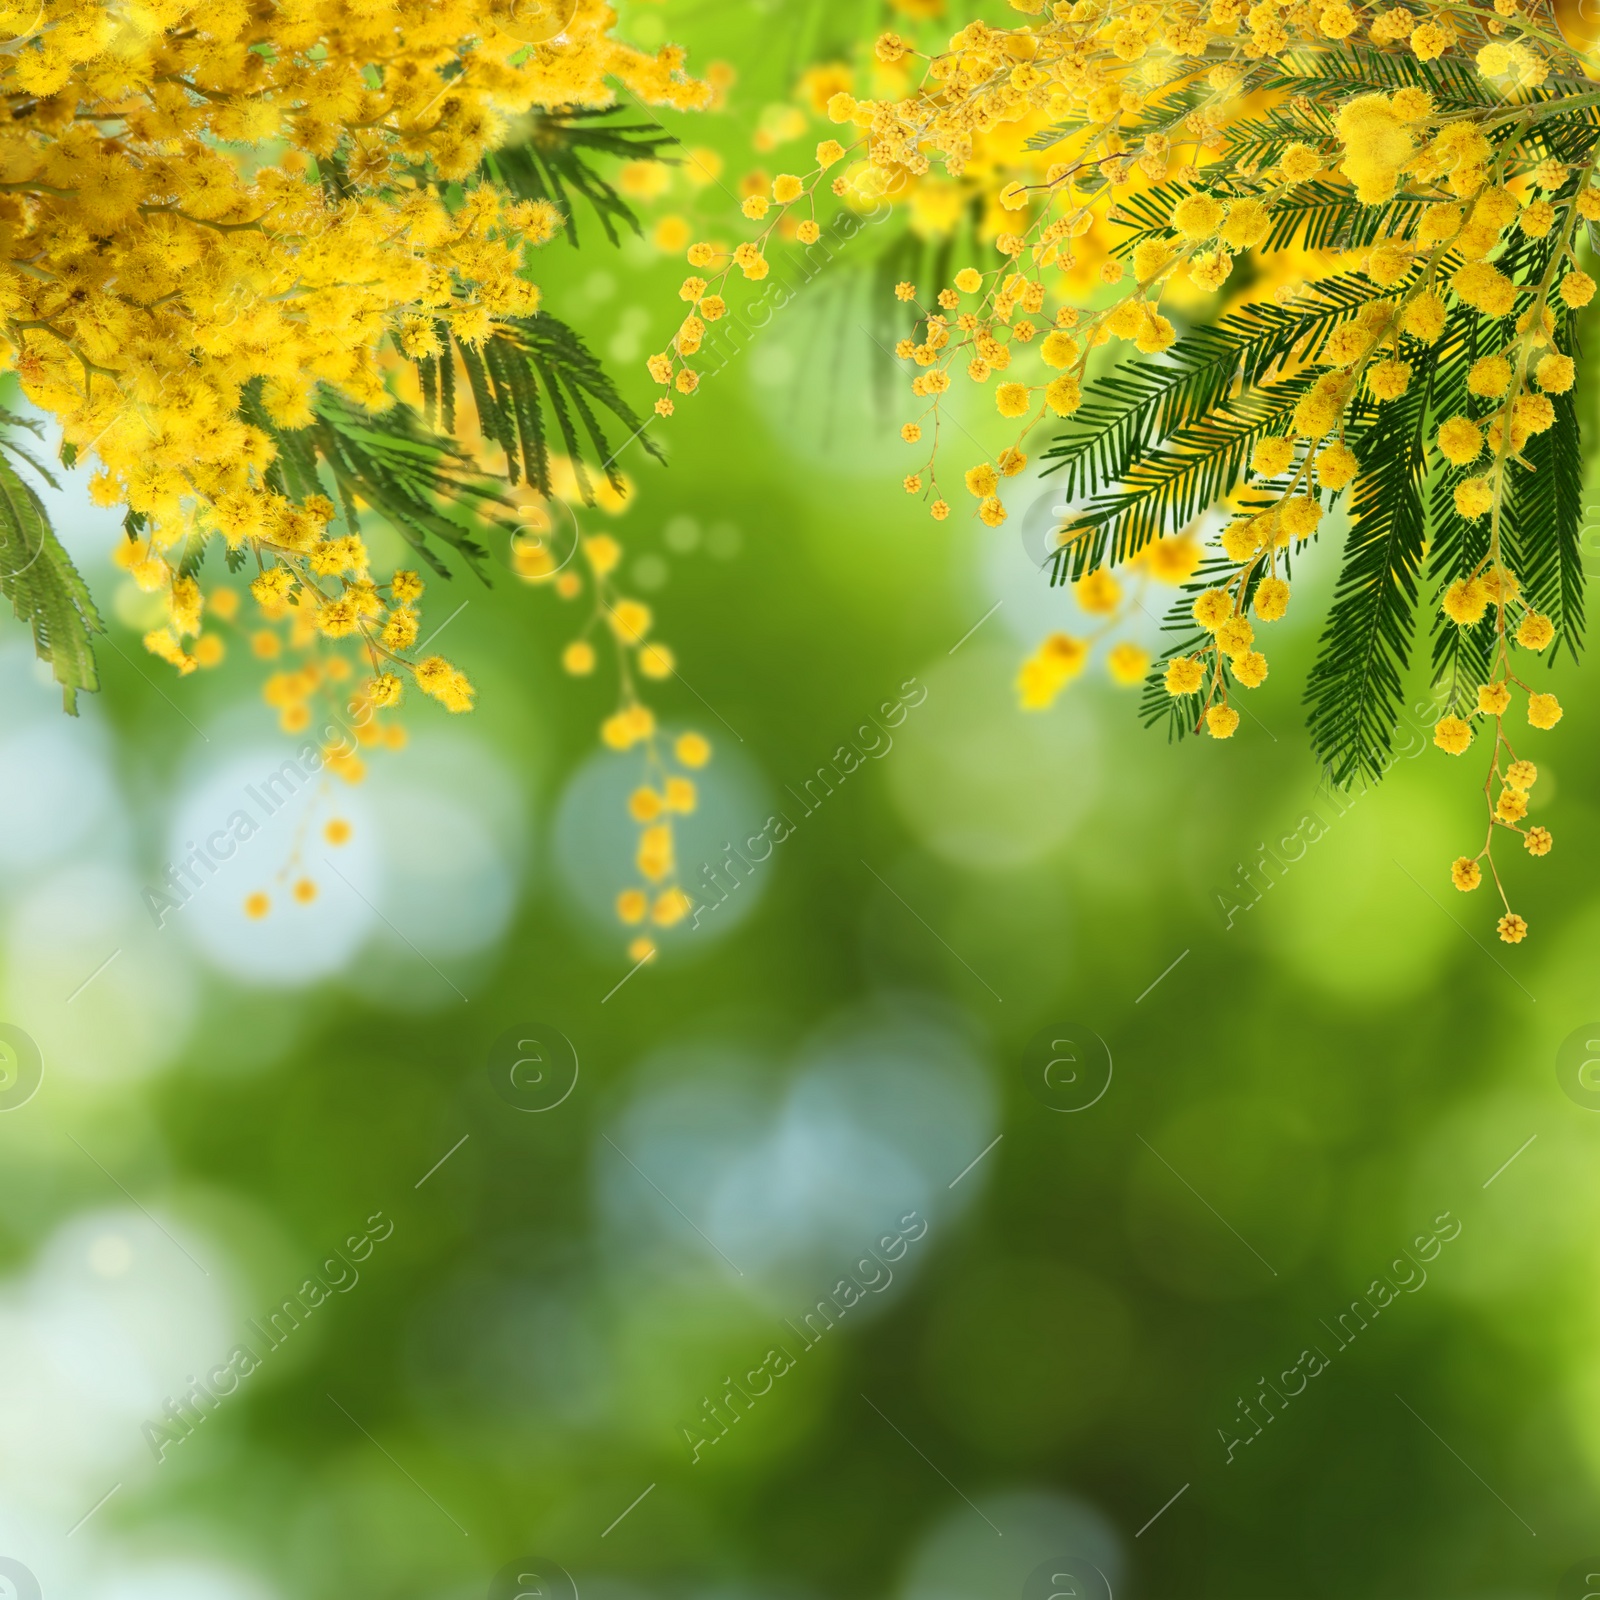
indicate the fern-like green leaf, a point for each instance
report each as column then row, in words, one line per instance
column 45, row 589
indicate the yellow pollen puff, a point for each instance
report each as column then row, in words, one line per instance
column 1184, row 675
column 1250, row 668
column 1555, row 373
column 1493, row 698
column 1535, row 632
column 1465, row 601
column 982, row 480
column 787, row 188
column 1459, row 441
column 1013, row 399
column 1538, row 842
column 1212, row 608
column 1271, row 599
column 1272, row 456
column 336, row 831
column 1222, row 722
column 1336, row 467
column 1544, row 710
column 1512, row 928
column 1127, row 663
column 305, row 891
column 1489, row 377
column 1465, row 874
column 257, row 905
column 1098, row 592
column 1452, row 735
column 1235, row 636
column 633, row 905
column 1388, row 379
column 578, row 658
column 657, row 661
column 1511, row 806
column 1577, row 289
column 1197, row 216
column 692, row 750
column 1299, row 516
column 1473, row 497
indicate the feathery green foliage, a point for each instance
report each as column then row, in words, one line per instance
column 38, row 578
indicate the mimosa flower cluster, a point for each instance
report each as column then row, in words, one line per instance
column 1440, row 162
column 578, row 565
column 213, row 213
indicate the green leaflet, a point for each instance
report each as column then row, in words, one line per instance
column 530, row 370
column 556, row 162
column 423, row 484
column 45, row 590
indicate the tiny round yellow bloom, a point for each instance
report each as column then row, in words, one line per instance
column 1535, row 632
column 1271, row 599
column 1197, row 216
column 257, row 905
column 1459, row 441
column 1538, row 842
column 671, row 907
column 681, row 795
column 1577, row 289
column 1336, row 467
column 1555, row 373
column 1235, row 635
column 1184, row 675
column 1299, row 516
column 1511, row 928
column 1512, row 805
column 1465, row 874
column 969, row 280
column 1250, row 668
column 336, row 831
column 1452, row 735
column 1493, row 698
column 692, row 750
column 632, row 906
column 1544, row 710
column 305, row 891
column 1388, row 379
column 1128, row 663
column 1489, row 377
column 578, row 658
column 786, row 188
column 1221, row 722
column 1465, row 601
column 1272, row 456
column 657, row 661
column 1064, row 395
column 1473, row 497
column 1212, row 608
column 1013, row 399
column 1522, row 774
column 645, row 804
column 641, row 950
column 982, row 481
column 1098, row 592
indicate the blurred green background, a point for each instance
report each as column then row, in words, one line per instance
column 1088, row 1303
